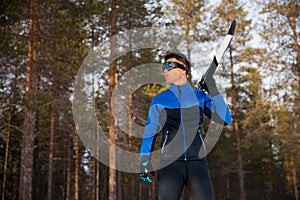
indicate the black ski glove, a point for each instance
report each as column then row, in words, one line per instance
column 209, row 86
column 145, row 169
column 208, row 83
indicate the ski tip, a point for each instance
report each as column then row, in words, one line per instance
column 232, row 27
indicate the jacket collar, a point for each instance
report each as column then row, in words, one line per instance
column 182, row 87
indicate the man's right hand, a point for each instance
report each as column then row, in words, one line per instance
column 208, row 85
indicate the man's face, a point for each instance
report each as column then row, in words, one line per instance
column 176, row 76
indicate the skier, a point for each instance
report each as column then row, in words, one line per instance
column 179, row 113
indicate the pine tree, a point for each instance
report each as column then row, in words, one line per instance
column 229, row 15
column 224, row 14
column 27, row 147
column 187, row 14
column 13, row 50
column 279, row 31
column 112, row 71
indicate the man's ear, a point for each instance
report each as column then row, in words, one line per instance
column 183, row 72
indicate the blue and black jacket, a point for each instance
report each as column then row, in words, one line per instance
column 179, row 113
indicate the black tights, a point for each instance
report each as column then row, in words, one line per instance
column 193, row 174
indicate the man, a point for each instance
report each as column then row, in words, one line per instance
column 179, row 113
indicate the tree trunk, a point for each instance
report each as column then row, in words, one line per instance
column 140, row 190
column 68, row 170
column 112, row 157
column 154, row 190
column 112, row 70
column 116, row 119
column 240, row 171
column 94, row 174
column 132, row 177
column 77, row 159
column 6, row 157
column 97, row 180
column 50, row 162
column 27, row 146
column 25, row 190
column 295, row 185
column 297, row 55
column 292, row 22
column 291, row 177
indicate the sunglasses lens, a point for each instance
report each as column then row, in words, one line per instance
column 169, row 65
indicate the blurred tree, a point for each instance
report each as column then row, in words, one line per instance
column 112, row 80
column 279, row 29
column 13, row 45
column 187, row 14
column 27, row 146
column 224, row 14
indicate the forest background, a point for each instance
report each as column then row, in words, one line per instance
column 44, row 43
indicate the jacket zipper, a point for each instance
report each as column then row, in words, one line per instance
column 165, row 141
column 182, row 125
column 202, row 141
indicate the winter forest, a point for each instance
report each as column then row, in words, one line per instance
column 68, row 65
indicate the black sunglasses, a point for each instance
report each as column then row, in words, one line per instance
column 172, row 65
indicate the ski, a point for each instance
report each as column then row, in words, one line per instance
column 217, row 59
column 224, row 45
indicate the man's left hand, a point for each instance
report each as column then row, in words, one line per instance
column 145, row 169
